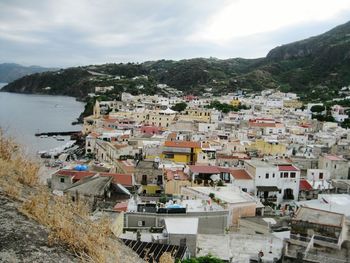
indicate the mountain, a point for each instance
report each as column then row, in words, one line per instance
column 11, row 71
column 315, row 68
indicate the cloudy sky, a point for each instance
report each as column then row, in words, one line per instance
column 78, row 32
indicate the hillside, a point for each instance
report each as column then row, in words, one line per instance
column 315, row 68
column 11, row 71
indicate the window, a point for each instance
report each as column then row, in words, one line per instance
column 273, row 175
column 320, row 176
column 62, row 179
column 285, row 175
column 141, row 223
column 244, row 189
column 169, row 156
column 335, row 166
column 292, row 175
column 267, row 175
column 281, row 175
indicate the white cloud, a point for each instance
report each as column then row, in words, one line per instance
column 248, row 17
column 76, row 32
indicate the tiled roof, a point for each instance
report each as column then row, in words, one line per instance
column 204, row 169
column 240, row 174
column 304, row 185
column 123, row 179
column 334, row 158
column 287, row 168
column 123, row 206
column 182, row 144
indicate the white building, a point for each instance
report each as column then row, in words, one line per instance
column 274, row 183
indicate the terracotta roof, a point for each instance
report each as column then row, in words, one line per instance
column 110, row 120
column 240, row 174
column 182, row 144
column 260, row 124
column 123, row 179
column 304, row 185
column 121, row 207
column 204, row 169
column 172, row 136
column 334, row 158
column 287, row 168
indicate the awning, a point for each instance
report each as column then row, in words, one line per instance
column 267, row 188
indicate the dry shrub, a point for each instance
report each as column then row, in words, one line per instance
column 7, row 147
column 15, row 166
column 12, row 190
column 70, row 223
column 27, row 171
column 166, row 258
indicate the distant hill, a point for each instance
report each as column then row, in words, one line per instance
column 315, row 68
column 11, row 71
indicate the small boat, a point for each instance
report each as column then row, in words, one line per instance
column 59, row 138
column 54, row 136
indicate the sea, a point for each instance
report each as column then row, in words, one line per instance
column 22, row 115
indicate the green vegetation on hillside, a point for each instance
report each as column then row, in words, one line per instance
column 315, row 68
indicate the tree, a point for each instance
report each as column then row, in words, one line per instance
column 205, row 259
column 317, row 108
column 181, row 106
column 212, row 195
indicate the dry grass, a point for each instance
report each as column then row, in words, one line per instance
column 166, row 258
column 68, row 222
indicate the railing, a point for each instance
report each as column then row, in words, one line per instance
column 317, row 239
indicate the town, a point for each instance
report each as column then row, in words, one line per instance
column 258, row 177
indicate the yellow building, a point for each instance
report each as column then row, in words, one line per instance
column 161, row 118
column 295, row 104
column 200, row 115
column 90, row 122
column 181, row 151
column 268, row 147
column 151, row 189
column 235, row 102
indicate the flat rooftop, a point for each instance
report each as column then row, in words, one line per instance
column 241, row 247
column 199, row 205
column 228, row 194
column 259, row 163
column 319, row 216
column 181, row 225
column 337, row 203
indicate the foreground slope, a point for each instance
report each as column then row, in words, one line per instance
column 24, row 240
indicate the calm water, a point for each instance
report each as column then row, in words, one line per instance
column 21, row 116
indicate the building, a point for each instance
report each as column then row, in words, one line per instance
column 181, row 151
column 316, row 236
column 182, row 231
column 238, row 203
column 274, row 183
column 337, row 166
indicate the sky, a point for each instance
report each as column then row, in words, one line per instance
column 63, row 33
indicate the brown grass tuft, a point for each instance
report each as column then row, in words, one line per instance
column 69, row 222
